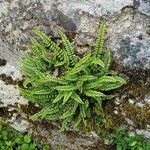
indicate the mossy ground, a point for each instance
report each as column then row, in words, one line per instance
column 136, row 89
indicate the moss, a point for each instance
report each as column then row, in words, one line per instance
column 136, row 88
column 139, row 115
column 138, row 85
column 7, row 79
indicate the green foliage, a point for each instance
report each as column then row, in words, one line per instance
column 11, row 139
column 71, row 89
column 125, row 142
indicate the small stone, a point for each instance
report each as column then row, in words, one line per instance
column 123, row 113
column 131, row 101
column 8, row 28
column 140, row 104
column 106, row 141
column 11, row 109
column 117, row 103
column 148, row 126
column 37, row 105
column 25, row 25
column 116, row 112
column 116, row 108
column 147, row 99
column 129, row 121
column 17, row 33
column 143, row 132
column 94, row 134
column 117, row 99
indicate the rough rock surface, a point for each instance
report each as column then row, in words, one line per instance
column 128, row 37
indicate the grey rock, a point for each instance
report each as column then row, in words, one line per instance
column 129, row 40
column 144, row 132
column 11, row 70
column 128, row 37
column 145, row 7
column 18, row 18
column 10, row 96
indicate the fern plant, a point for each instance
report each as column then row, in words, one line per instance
column 70, row 89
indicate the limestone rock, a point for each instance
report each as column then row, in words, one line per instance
column 128, row 38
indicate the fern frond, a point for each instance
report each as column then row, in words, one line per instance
column 68, row 87
column 100, row 38
column 39, row 98
column 72, row 77
column 79, row 65
column 50, row 78
column 75, row 70
column 107, row 59
column 86, row 78
column 83, row 60
column 77, row 122
column 65, row 88
column 110, row 86
column 43, row 113
column 106, row 80
column 69, row 49
column 31, row 72
column 83, row 111
column 53, row 47
column 58, row 98
column 77, row 98
column 59, row 53
column 28, row 81
column 48, row 112
column 46, row 39
column 41, row 92
column 38, row 48
column 97, row 61
column 66, row 59
column 31, row 64
column 93, row 93
column 67, row 114
column 58, row 64
column 67, row 96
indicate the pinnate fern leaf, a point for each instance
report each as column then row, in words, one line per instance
column 69, row 49
column 70, row 88
column 101, row 38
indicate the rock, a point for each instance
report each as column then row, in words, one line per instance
column 131, row 101
column 128, row 38
column 130, row 122
column 145, row 7
column 4, row 7
column 144, row 132
column 10, row 96
column 18, row 18
column 10, row 70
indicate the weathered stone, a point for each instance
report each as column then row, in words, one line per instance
column 9, row 95
column 145, row 7
column 128, row 38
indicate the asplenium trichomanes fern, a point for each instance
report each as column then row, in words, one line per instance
column 70, row 89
